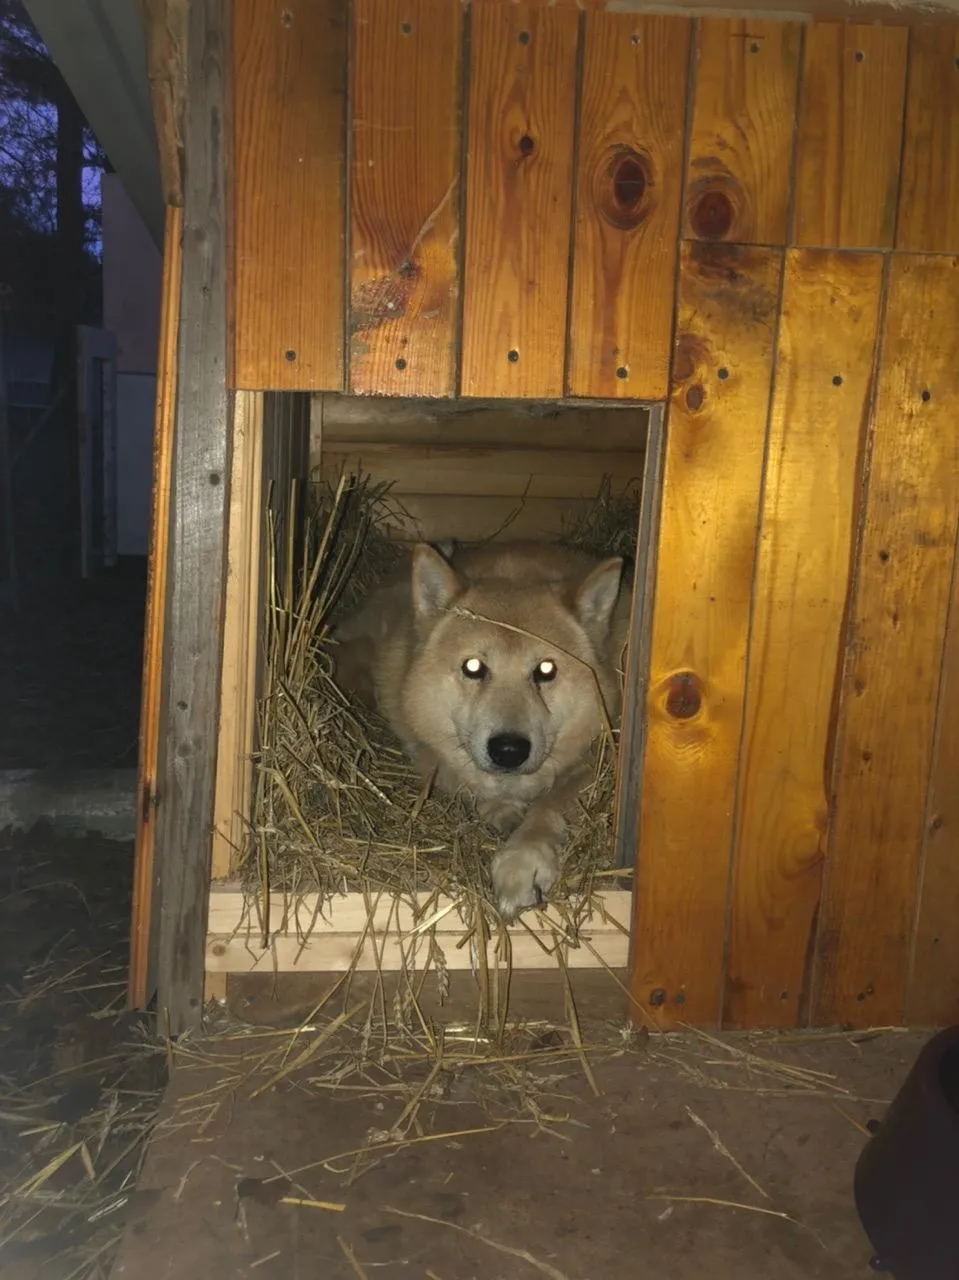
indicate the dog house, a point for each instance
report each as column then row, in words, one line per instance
column 496, row 250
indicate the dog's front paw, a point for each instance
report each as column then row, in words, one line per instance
column 522, row 877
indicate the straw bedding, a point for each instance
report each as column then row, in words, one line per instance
column 337, row 806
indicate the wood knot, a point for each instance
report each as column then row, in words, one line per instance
column 695, row 395
column 623, row 184
column 684, row 697
column 712, row 215
column 691, row 354
column 376, row 302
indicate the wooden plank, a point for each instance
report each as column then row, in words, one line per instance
column 241, row 626
column 144, row 936
column 232, row 910
column 404, row 210
column 891, row 679
column 932, row 997
column 628, row 192
column 478, row 472
column 741, row 142
column 343, row 952
column 929, row 195
column 824, row 367
column 289, row 84
column 632, row 739
column 164, row 23
column 599, row 428
column 707, row 546
column 850, row 135
column 194, row 595
column 301, row 939
column 436, row 516
column 518, row 198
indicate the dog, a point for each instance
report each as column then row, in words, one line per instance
column 497, row 667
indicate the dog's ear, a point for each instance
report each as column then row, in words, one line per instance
column 596, row 596
column 436, row 584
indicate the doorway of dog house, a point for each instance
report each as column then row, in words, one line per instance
column 332, row 812
column 469, row 472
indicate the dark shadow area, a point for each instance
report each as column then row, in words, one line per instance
column 80, row 1078
column 70, row 665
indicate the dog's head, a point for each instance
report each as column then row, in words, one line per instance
column 510, row 678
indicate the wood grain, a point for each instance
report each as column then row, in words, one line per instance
column 241, row 627
column 632, row 738
column 741, row 142
column 164, row 23
column 850, row 135
column 598, row 428
column 405, row 199
column 289, row 84
column 518, row 199
column 435, row 516
column 712, row 483
column 824, row 365
column 234, row 943
column 628, row 193
column 477, row 472
column 891, row 679
column 932, row 997
column 194, row 595
column 144, row 935
column 929, row 198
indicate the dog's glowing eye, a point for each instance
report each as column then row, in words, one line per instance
column 474, row 669
column 544, row 671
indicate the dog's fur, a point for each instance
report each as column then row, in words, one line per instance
column 511, row 607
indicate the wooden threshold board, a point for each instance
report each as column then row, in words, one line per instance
column 348, row 935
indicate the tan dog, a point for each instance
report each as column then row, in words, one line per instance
column 493, row 667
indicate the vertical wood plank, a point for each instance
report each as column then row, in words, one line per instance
column 824, row 364
column 201, row 472
column 518, row 198
column 404, row 211
column 741, row 144
column 891, row 680
column 716, row 438
column 241, row 627
column 289, row 84
column 929, row 197
column 636, row 683
column 145, row 909
column 628, row 192
column 850, row 135
column 933, row 993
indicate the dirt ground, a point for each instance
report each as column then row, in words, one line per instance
column 80, row 1079
column 730, row 1158
column 551, row 1179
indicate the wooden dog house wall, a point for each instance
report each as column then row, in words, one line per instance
column 753, row 221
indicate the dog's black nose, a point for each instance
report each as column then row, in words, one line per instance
column 508, row 750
